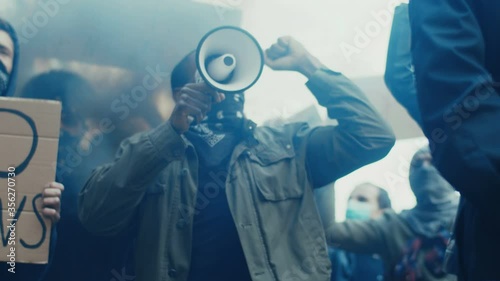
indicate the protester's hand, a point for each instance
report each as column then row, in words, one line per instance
column 288, row 54
column 194, row 100
column 51, row 197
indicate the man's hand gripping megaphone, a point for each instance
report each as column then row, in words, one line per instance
column 195, row 99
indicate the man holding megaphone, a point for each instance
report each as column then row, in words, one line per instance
column 214, row 197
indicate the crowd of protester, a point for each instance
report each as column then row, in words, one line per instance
column 221, row 198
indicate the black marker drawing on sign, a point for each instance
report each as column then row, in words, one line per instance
column 16, row 218
column 34, row 144
column 19, row 211
column 44, row 227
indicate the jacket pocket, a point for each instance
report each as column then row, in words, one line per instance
column 276, row 174
column 158, row 186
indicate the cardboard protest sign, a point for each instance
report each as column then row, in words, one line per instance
column 29, row 136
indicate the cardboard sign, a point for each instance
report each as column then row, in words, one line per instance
column 29, row 136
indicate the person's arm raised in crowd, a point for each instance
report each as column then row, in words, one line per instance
column 399, row 76
column 362, row 135
column 384, row 236
column 109, row 200
column 456, row 61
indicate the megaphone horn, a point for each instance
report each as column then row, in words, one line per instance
column 221, row 68
column 229, row 59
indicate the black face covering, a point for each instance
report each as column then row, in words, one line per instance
column 228, row 114
column 217, row 135
column 220, row 131
column 437, row 202
column 4, row 79
column 429, row 187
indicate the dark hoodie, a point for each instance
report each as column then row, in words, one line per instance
column 437, row 202
column 11, row 86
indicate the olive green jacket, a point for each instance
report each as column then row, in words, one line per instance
column 152, row 185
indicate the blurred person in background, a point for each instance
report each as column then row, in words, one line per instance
column 399, row 71
column 51, row 194
column 367, row 201
column 455, row 48
column 459, row 76
column 75, row 252
column 412, row 244
column 400, row 80
column 221, row 199
column 108, row 129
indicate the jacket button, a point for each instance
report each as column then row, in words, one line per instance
column 181, row 223
column 172, row 273
column 184, row 172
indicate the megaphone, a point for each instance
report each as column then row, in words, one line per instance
column 229, row 59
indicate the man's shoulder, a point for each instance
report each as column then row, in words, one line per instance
column 282, row 130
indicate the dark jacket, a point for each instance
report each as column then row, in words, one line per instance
column 348, row 266
column 399, row 75
column 455, row 47
column 76, row 249
column 152, row 187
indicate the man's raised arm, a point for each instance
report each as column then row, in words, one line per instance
column 362, row 135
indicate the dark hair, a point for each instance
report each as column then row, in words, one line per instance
column 67, row 86
column 181, row 75
column 384, row 201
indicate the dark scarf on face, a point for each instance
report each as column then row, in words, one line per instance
column 222, row 129
column 8, row 82
column 437, row 201
column 228, row 114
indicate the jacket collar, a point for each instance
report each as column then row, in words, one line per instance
column 248, row 139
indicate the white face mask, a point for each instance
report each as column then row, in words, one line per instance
column 358, row 210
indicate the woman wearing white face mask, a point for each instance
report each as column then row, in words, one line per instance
column 367, row 201
column 411, row 244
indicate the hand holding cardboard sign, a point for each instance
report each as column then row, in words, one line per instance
column 29, row 133
column 52, row 201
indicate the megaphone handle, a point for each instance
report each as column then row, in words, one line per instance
column 197, row 79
